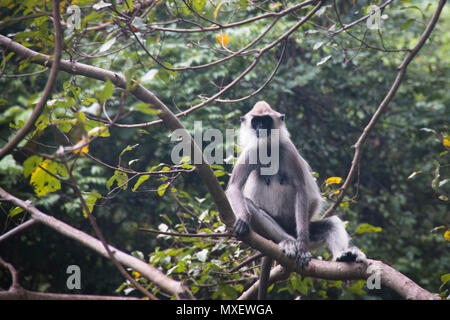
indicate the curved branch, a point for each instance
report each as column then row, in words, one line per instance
column 17, row 292
column 269, row 79
column 47, row 90
column 167, row 284
column 391, row 93
column 239, row 23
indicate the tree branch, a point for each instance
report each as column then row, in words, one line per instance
column 238, row 23
column 189, row 235
column 17, row 229
column 167, row 284
column 48, row 87
column 391, row 93
column 316, row 268
column 17, row 292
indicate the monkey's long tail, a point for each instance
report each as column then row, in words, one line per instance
column 266, row 264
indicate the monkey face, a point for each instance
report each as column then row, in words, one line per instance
column 262, row 123
column 259, row 123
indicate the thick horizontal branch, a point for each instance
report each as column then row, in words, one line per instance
column 23, row 294
column 328, row 270
column 167, row 284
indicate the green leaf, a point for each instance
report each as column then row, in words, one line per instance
column 14, row 212
column 9, row 165
column 107, row 45
column 202, row 255
column 88, row 101
column 323, row 60
column 30, row 165
column 317, row 45
column 145, row 108
column 128, row 148
column 407, row 24
column 121, row 178
column 141, row 180
column 43, row 182
column 91, row 199
column 412, row 175
column 219, row 173
column 100, row 129
column 162, row 189
column 107, row 91
column 185, row 159
column 445, row 278
column 367, row 228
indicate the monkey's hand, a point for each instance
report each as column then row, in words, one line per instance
column 240, row 228
column 295, row 249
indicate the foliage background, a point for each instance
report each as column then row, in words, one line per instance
column 326, row 107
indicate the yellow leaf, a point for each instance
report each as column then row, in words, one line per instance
column 337, row 191
column 136, row 274
column 44, row 177
column 82, row 147
column 332, row 180
column 82, row 151
column 216, row 12
column 223, row 39
column 43, row 165
column 447, row 235
column 446, row 142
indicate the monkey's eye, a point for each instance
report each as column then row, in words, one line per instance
column 242, row 119
column 282, row 117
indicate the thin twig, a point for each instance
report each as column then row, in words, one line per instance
column 17, row 229
column 189, row 235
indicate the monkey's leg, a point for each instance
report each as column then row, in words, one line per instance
column 268, row 227
column 332, row 232
column 265, row 225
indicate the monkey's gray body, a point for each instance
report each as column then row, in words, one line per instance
column 280, row 206
column 277, row 194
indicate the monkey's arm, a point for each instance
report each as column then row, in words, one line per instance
column 236, row 197
column 302, row 226
column 305, row 188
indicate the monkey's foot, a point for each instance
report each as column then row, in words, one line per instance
column 289, row 248
column 303, row 258
column 240, row 228
column 352, row 254
column 293, row 249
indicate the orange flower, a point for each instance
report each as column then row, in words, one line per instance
column 223, row 39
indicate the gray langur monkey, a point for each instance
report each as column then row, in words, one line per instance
column 280, row 203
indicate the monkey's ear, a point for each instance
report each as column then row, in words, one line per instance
column 282, row 117
column 242, row 119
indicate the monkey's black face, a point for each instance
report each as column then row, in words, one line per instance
column 262, row 122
